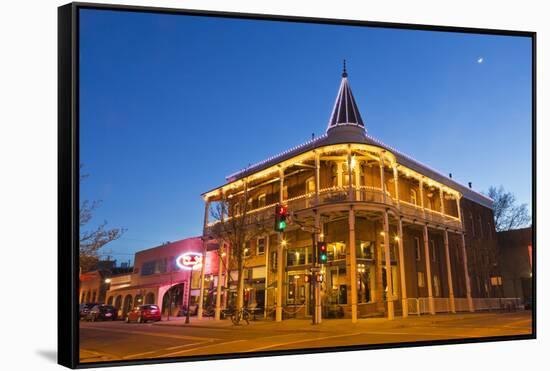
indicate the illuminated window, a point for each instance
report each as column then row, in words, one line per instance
column 310, row 185
column 261, row 200
column 417, row 248
column 420, row 279
column 260, row 246
column 437, row 291
column 296, row 256
column 412, row 194
column 496, row 281
column 246, row 249
column 365, row 249
column 334, row 175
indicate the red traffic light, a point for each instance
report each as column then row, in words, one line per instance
column 280, row 218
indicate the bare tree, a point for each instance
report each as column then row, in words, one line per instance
column 93, row 239
column 235, row 227
column 508, row 214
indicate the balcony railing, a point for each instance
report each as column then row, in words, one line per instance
column 332, row 195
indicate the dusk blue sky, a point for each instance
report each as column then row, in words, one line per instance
column 171, row 104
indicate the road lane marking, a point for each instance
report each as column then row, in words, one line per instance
column 165, row 349
column 301, row 341
column 417, row 334
column 200, row 348
column 159, row 334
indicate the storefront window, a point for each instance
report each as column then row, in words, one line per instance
column 365, row 249
column 296, row 256
column 296, row 293
column 363, row 283
column 336, row 285
column 336, row 251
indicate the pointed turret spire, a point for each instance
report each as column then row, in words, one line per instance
column 345, row 111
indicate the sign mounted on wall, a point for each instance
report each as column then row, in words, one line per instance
column 189, row 260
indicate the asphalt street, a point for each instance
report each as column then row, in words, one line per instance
column 108, row 341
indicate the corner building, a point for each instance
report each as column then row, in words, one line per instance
column 398, row 233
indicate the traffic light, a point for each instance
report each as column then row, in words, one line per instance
column 321, row 252
column 280, row 218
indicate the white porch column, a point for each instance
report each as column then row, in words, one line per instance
column 266, row 284
column 353, row 265
column 389, row 292
column 428, row 270
column 458, row 210
column 467, row 275
column 204, row 244
column 449, row 273
column 382, row 179
column 219, row 285
column 339, row 171
column 317, row 310
column 350, row 177
column 317, row 177
column 396, row 183
column 280, row 260
column 404, row 306
column 421, row 189
column 442, row 200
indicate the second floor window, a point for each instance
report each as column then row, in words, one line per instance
column 261, row 200
column 310, row 185
column 417, row 248
column 260, row 246
column 413, row 197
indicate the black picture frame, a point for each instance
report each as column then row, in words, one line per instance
column 68, row 181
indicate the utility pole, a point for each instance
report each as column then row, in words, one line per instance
column 188, row 294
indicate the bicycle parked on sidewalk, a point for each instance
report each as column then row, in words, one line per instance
column 240, row 315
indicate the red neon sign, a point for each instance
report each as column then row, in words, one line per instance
column 189, row 260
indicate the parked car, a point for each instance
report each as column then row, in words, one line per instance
column 101, row 312
column 144, row 313
column 85, row 309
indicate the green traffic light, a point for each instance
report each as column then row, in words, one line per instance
column 282, row 225
column 323, row 257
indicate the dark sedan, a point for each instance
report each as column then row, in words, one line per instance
column 101, row 312
column 85, row 309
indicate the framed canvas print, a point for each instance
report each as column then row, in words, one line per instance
column 237, row 185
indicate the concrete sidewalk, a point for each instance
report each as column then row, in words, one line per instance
column 327, row 324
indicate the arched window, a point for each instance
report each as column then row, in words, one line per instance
column 150, row 298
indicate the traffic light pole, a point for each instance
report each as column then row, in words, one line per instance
column 316, row 281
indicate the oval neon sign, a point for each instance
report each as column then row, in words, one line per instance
column 189, row 260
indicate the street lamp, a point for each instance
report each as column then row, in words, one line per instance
column 188, row 261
